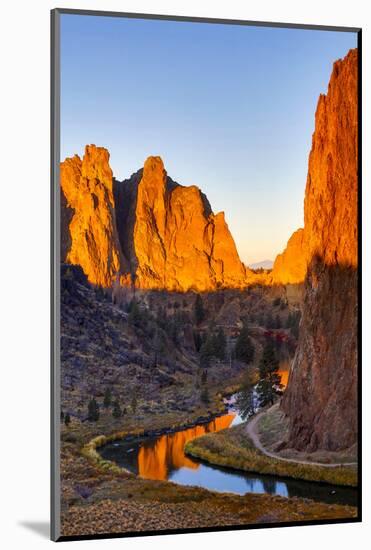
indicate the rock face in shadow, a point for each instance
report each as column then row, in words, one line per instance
column 321, row 398
column 147, row 230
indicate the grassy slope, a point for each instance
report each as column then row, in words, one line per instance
column 233, row 449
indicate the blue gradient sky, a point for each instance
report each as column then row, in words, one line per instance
column 228, row 108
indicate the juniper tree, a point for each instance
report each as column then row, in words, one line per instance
column 269, row 379
column 107, row 399
column 135, row 314
column 246, row 402
column 93, row 410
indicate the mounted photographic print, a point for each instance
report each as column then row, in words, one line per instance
column 205, row 277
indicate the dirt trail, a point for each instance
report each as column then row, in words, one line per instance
column 251, row 429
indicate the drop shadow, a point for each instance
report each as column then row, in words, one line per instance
column 41, row 528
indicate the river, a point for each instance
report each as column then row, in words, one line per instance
column 163, row 458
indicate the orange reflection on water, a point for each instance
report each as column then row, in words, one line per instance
column 284, row 374
column 155, row 461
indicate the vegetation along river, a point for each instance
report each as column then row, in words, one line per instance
column 162, row 457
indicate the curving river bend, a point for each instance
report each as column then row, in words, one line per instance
column 162, row 457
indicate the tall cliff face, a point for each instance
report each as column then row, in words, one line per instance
column 150, row 225
column 178, row 243
column 321, row 398
column 147, row 229
column 88, row 227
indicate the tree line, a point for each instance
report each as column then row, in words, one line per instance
column 93, row 407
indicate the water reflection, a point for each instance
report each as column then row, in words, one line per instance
column 284, row 374
column 156, row 459
column 163, row 457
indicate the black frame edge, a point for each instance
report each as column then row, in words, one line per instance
column 196, row 19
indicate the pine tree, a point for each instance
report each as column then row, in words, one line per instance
column 135, row 314
column 204, row 377
column 67, row 419
column 219, row 344
column 116, row 411
column 269, row 380
column 134, row 403
column 244, row 349
column 107, row 399
column 206, row 351
column 93, row 410
column 199, row 309
column 197, row 340
column 246, row 397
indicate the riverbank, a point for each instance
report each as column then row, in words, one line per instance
column 238, row 449
column 89, row 450
column 98, row 499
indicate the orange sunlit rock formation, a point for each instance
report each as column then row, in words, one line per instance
column 290, row 267
column 87, row 194
column 179, row 243
column 321, row 397
column 149, row 231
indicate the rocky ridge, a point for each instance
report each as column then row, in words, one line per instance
column 148, row 230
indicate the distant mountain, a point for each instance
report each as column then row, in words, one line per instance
column 264, row 264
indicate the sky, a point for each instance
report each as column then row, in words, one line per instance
column 228, row 108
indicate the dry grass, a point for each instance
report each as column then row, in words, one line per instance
column 119, row 501
column 232, row 448
column 272, row 427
